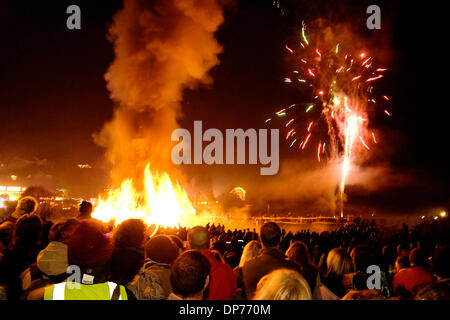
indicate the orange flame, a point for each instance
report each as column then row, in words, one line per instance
column 162, row 202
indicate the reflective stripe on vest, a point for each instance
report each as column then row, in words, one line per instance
column 75, row 291
column 58, row 291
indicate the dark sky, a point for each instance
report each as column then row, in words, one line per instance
column 53, row 96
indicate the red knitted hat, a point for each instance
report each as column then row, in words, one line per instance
column 88, row 245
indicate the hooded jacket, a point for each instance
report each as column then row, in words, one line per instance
column 223, row 283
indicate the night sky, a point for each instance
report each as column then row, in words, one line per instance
column 53, row 95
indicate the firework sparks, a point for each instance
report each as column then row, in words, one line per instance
column 306, row 141
column 303, row 34
column 309, row 108
column 319, row 149
column 374, row 78
column 364, row 143
column 340, row 83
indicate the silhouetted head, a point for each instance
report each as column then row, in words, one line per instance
column 339, row 262
column 198, row 238
column 61, row 231
column 402, row 250
column 283, row 284
column 298, row 252
column 270, row 234
column 25, row 205
column 440, row 262
column 360, row 257
column 85, row 210
column 189, row 274
column 438, row 290
column 418, row 258
column 161, row 249
column 130, row 234
column 28, row 230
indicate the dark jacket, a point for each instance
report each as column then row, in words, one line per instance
column 16, row 259
column 269, row 260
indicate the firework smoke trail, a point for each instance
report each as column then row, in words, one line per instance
column 340, row 84
column 351, row 130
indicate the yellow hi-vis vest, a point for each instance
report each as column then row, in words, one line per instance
column 77, row 291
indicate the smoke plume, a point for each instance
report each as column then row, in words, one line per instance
column 161, row 48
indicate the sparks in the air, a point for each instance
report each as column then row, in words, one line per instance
column 340, row 83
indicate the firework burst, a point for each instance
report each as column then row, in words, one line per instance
column 339, row 83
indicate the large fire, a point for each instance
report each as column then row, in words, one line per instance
column 161, row 203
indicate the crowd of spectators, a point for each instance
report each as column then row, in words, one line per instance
column 82, row 258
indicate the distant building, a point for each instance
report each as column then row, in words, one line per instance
column 11, row 193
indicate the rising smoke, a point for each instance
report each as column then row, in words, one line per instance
column 161, row 48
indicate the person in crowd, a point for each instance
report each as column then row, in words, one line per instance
column 6, row 236
column 222, row 284
column 128, row 255
column 89, row 251
column 366, row 294
column 283, row 284
column 251, row 250
column 153, row 280
column 130, row 234
column 360, row 257
column 339, row 264
column 270, row 259
column 25, row 205
column 232, row 258
column 298, row 252
column 34, row 263
column 387, row 258
column 403, row 251
column 440, row 266
column 318, row 258
column 440, row 262
column 20, row 253
column 46, row 226
column 85, row 210
column 218, row 255
column 52, row 262
column 401, row 264
column 407, row 283
column 438, row 290
column 3, row 293
column 189, row 276
column 178, row 241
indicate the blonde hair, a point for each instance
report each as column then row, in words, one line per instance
column 283, row 284
column 339, row 262
column 251, row 250
column 366, row 294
